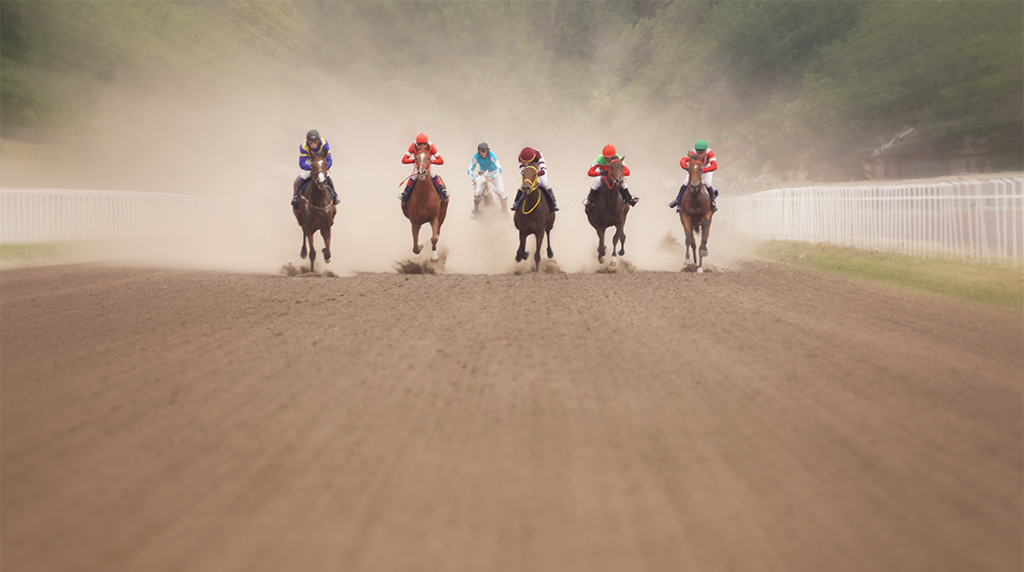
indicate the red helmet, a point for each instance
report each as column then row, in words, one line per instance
column 608, row 151
column 422, row 138
column 527, row 155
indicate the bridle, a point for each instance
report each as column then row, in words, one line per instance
column 320, row 180
column 608, row 178
column 529, row 189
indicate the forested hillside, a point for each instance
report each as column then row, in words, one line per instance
column 810, row 86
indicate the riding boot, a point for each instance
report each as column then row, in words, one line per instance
column 679, row 198
column 519, row 197
column 404, row 195
column 590, row 198
column 550, row 194
column 297, row 193
column 441, row 191
column 713, row 193
column 334, row 194
column 629, row 198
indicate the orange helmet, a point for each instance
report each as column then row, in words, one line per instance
column 422, row 138
column 608, row 151
column 527, row 155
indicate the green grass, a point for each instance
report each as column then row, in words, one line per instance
column 42, row 250
column 998, row 285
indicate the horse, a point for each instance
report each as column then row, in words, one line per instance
column 694, row 211
column 316, row 210
column 533, row 217
column 488, row 199
column 424, row 204
column 609, row 209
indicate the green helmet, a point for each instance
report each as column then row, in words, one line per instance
column 701, row 145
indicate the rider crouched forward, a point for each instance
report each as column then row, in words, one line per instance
column 530, row 157
column 423, row 143
column 600, row 169
column 311, row 148
column 485, row 164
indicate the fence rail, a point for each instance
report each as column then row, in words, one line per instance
column 975, row 219
column 51, row 215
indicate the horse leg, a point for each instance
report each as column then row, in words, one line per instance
column 600, row 246
column 416, row 248
column 435, row 227
column 705, row 230
column 551, row 253
column 620, row 233
column 539, row 239
column 521, row 254
column 325, row 233
column 302, row 252
column 312, row 251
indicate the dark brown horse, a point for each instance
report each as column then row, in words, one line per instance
column 695, row 211
column 533, row 217
column 424, row 204
column 608, row 209
column 316, row 210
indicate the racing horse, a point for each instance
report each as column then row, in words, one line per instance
column 533, row 217
column 609, row 209
column 316, row 210
column 485, row 198
column 424, row 204
column 695, row 211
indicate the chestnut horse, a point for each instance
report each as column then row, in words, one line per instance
column 424, row 204
column 533, row 217
column 609, row 209
column 316, row 210
column 695, row 211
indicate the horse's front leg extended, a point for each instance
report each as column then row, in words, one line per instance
column 539, row 239
column 620, row 234
column 522, row 254
column 312, row 251
column 302, row 252
column 435, row 227
column 705, row 231
column 326, row 234
column 416, row 248
column 600, row 246
column 551, row 253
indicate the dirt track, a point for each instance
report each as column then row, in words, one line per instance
column 763, row 418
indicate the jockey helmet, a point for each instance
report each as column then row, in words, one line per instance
column 701, row 145
column 312, row 135
column 422, row 138
column 483, row 147
column 527, row 155
column 608, row 151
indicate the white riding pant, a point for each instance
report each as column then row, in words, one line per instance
column 499, row 185
column 543, row 181
column 305, row 174
column 706, row 178
column 597, row 184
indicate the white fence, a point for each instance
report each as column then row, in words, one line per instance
column 50, row 215
column 973, row 219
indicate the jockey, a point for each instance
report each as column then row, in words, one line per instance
column 600, row 169
column 423, row 142
column 312, row 147
column 700, row 149
column 485, row 163
column 532, row 157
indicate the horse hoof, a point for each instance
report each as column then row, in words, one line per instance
column 433, row 255
column 303, row 253
column 700, row 270
column 327, row 256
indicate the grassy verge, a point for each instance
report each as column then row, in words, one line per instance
column 44, row 250
column 987, row 284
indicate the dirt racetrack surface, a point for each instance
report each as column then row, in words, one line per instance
column 761, row 418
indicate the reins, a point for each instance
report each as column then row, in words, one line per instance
column 533, row 187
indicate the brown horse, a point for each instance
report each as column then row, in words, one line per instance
column 609, row 209
column 424, row 204
column 316, row 210
column 533, row 217
column 695, row 211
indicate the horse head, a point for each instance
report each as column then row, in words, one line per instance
column 318, row 172
column 614, row 178
column 529, row 179
column 422, row 162
column 695, row 169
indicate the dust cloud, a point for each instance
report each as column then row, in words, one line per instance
column 233, row 141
